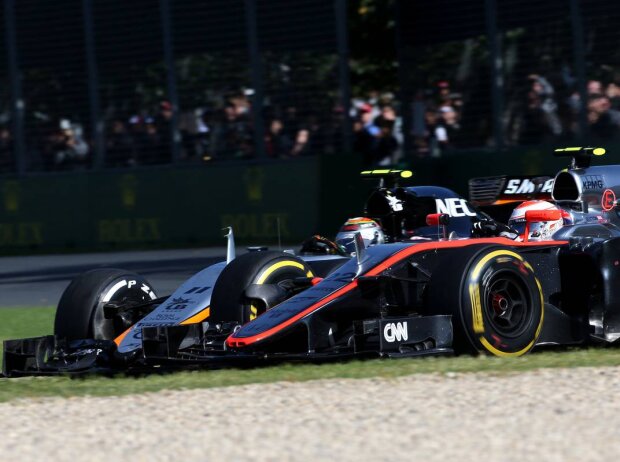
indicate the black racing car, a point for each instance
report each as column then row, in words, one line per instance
column 401, row 213
column 409, row 298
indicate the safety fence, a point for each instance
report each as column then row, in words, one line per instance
column 507, row 73
column 171, row 105
column 100, row 84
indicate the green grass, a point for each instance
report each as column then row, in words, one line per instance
column 22, row 322
column 25, row 322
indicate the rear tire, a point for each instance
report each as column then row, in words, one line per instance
column 80, row 311
column 494, row 297
column 229, row 302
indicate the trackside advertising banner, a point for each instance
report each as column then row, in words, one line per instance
column 160, row 207
column 189, row 205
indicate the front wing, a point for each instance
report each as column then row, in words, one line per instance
column 202, row 345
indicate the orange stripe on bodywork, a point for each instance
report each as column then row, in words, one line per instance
column 201, row 316
column 233, row 342
column 243, row 341
column 120, row 338
column 204, row 314
column 506, row 201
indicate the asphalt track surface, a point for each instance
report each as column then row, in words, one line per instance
column 40, row 280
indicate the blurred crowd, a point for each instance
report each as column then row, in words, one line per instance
column 553, row 105
column 203, row 135
column 209, row 134
column 436, row 120
column 377, row 129
column 540, row 109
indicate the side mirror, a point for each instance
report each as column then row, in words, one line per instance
column 437, row 219
column 537, row 216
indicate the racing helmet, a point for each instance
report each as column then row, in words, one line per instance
column 370, row 230
column 540, row 231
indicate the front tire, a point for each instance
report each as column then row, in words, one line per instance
column 229, row 302
column 80, row 311
column 497, row 304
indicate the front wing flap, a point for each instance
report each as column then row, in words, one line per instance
column 50, row 356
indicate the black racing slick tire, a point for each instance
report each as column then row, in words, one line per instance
column 80, row 311
column 495, row 299
column 229, row 302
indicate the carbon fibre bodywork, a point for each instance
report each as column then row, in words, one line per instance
column 373, row 307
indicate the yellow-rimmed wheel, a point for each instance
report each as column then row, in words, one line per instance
column 229, row 301
column 497, row 302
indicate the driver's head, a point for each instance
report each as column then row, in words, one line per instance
column 369, row 229
column 540, row 231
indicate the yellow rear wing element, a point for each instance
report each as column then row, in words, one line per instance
column 582, row 156
column 390, row 174
column 573, row 150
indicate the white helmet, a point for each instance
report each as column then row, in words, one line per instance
column 369, row 229
column 538, row 231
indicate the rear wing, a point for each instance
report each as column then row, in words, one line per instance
column 499, row 190
column 581, row 157
column 504, row 189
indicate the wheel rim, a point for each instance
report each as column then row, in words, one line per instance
column 274, row 278
column 110, row 328
column 507, row 304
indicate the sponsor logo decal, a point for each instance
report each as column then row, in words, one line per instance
column 395, row 204
column 257, row 225
column 455, row 207
column 165, row 317
column 396, row 331
column 198, row 290
column 129, row 230
column 592, row 182
column 608, row 201
column 147, row 290
column 21, row 234
column 178, row 304
column 527, row 186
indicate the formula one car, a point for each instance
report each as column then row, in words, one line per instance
column 402, row 211
column 399, row 214
column 402, row 299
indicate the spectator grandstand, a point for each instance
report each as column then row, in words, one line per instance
column 129, row 84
